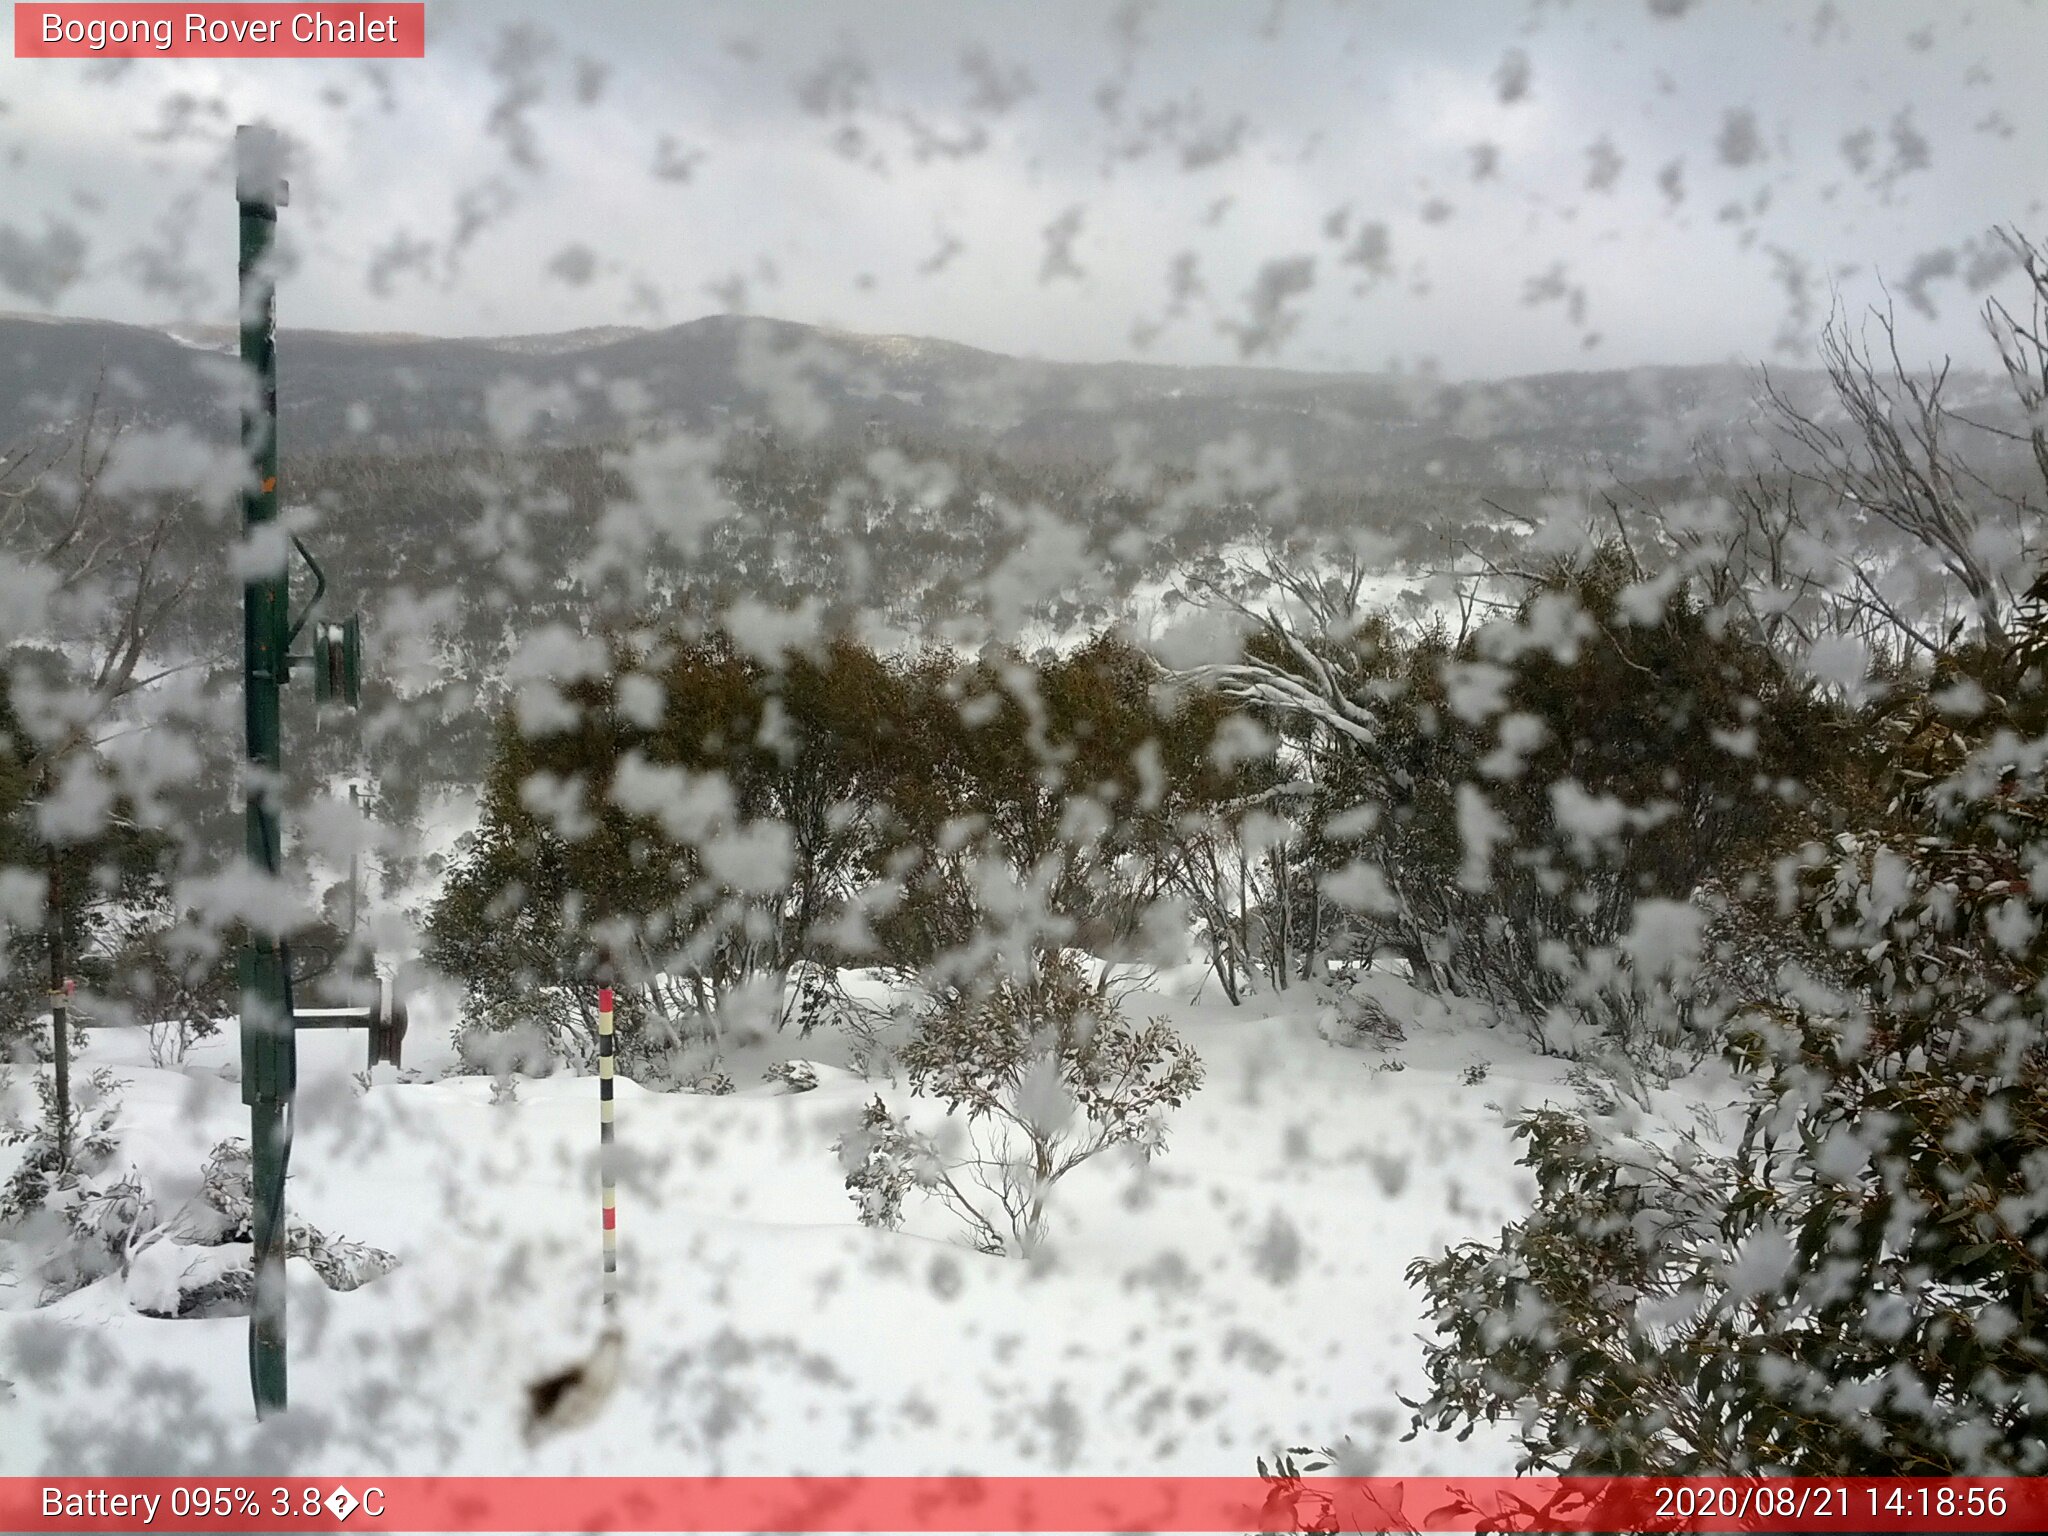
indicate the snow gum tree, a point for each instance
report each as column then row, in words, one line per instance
column 1857, row 1280
column 709, row 820
column 687, row 817
column 1525, row 814
column 1862, row 1285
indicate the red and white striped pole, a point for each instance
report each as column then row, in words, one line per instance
column 576, row 1395
column 606, row 1172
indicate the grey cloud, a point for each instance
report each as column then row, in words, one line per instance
column 41, row 267
column 930, row 168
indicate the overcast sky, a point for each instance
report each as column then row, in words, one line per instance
column 1486, row 189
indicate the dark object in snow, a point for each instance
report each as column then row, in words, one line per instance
column 572, row 1398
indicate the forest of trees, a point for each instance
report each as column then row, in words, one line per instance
column 851, row 808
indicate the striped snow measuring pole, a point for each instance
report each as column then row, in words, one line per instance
column 605, row 1172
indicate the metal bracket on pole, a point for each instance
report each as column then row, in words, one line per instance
column 319, row 590
column 385, row 1016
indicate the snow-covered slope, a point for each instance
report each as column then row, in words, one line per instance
column 1243, row 1292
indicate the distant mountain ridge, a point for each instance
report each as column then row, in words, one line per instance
column 344, row 392
column 224, row 338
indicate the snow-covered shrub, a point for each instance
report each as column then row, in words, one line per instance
column 1044, row 1073
column 227, row 1192
column 104, row 1222
column 884, row 1160
column 1862, row 1287
column 174, row 1279
column 190, row 1262
column 71, row 1220
column 105, row 889
column 1861, row 1284
column 113, row 1216
column 343, row 1264
column 769, row 825
column 816, row 997
column 796, row 1076
column 513, row 1024
column 57, row 1155
column 1363, row 1020
column 867, row 1026
column 874, row 1031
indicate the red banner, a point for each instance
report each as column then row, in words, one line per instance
column 213, row 31
column 1050, row 1504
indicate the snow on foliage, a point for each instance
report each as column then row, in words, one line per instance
column 1128, row 887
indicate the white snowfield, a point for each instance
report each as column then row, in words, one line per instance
column 1242, row 1293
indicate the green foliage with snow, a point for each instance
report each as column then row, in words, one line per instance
column 1861, row 1283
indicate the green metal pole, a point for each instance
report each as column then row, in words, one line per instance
column 269, row 1056
column 60, row 1015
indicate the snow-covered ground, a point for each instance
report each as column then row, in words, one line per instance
column 1243, row 1292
